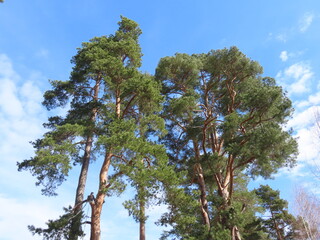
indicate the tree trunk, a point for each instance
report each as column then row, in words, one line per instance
column 225, row 190
column 276, row 226
column 225, row 184
column 84, row 172
column 203, row 196
column 142, row 221
column 97, row 203
column 76, row 222
column 118, row 104
column 235, row 233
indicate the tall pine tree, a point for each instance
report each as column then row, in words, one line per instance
column 223, row 118
column 111, row 103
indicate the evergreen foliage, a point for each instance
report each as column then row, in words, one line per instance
column 217, row 119
column 223, row 118
column 280, row 225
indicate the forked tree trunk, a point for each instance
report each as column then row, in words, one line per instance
column 84, row 172
column 225, row 191
column 97, row 203
column 76, row 222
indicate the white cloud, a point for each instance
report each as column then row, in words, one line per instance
column 21, row 113
column 6, row 68
column 312, row 100
column 308, row 145
column 21, row 118
column 305, row 131
column 21, row 204
column 17, row 214
column 296, row 78
column 284, row 56
column 305, row 22
column 293, row 173
column 303, row 119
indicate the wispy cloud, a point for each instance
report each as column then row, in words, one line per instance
column 296, row 78
column 21, row 114
column 286, row 34
column 305, row 22
column 6, row 68
column 282, row 37
column 42, row 53
column 21, row 118
column 312, row 100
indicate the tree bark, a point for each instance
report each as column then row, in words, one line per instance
column 142, row 224
column 76, row 222
column 84, row 171
column 96, row 204
column 118, row 104
column 203, row 196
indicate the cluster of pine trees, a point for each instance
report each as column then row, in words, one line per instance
column 190, row 137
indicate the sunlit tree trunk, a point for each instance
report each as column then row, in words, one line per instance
column 97, row 203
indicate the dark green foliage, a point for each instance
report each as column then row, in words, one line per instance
column 60, row 228
column 224, row 125
column 52, row 161
column 280, row 223
column 106, row 93
column 223, row 118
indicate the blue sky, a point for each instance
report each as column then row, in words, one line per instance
column 38, row 39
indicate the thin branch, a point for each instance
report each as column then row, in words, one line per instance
column 250, row 160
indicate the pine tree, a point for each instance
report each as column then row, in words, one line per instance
column 111, row 103
column 71, row 138
column 280, row 224
column 223, row 118
column 132, row 100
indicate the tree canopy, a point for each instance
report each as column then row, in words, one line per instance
column 223, row 118
column 192, row 137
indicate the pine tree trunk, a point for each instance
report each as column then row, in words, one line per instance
column 276, row 226
column 225, row 190
column 76, row 222
column 84, row 172
column 142, row 227
column 203, row 196
column 95, row 220
column 97, row 203
column 235, row 233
